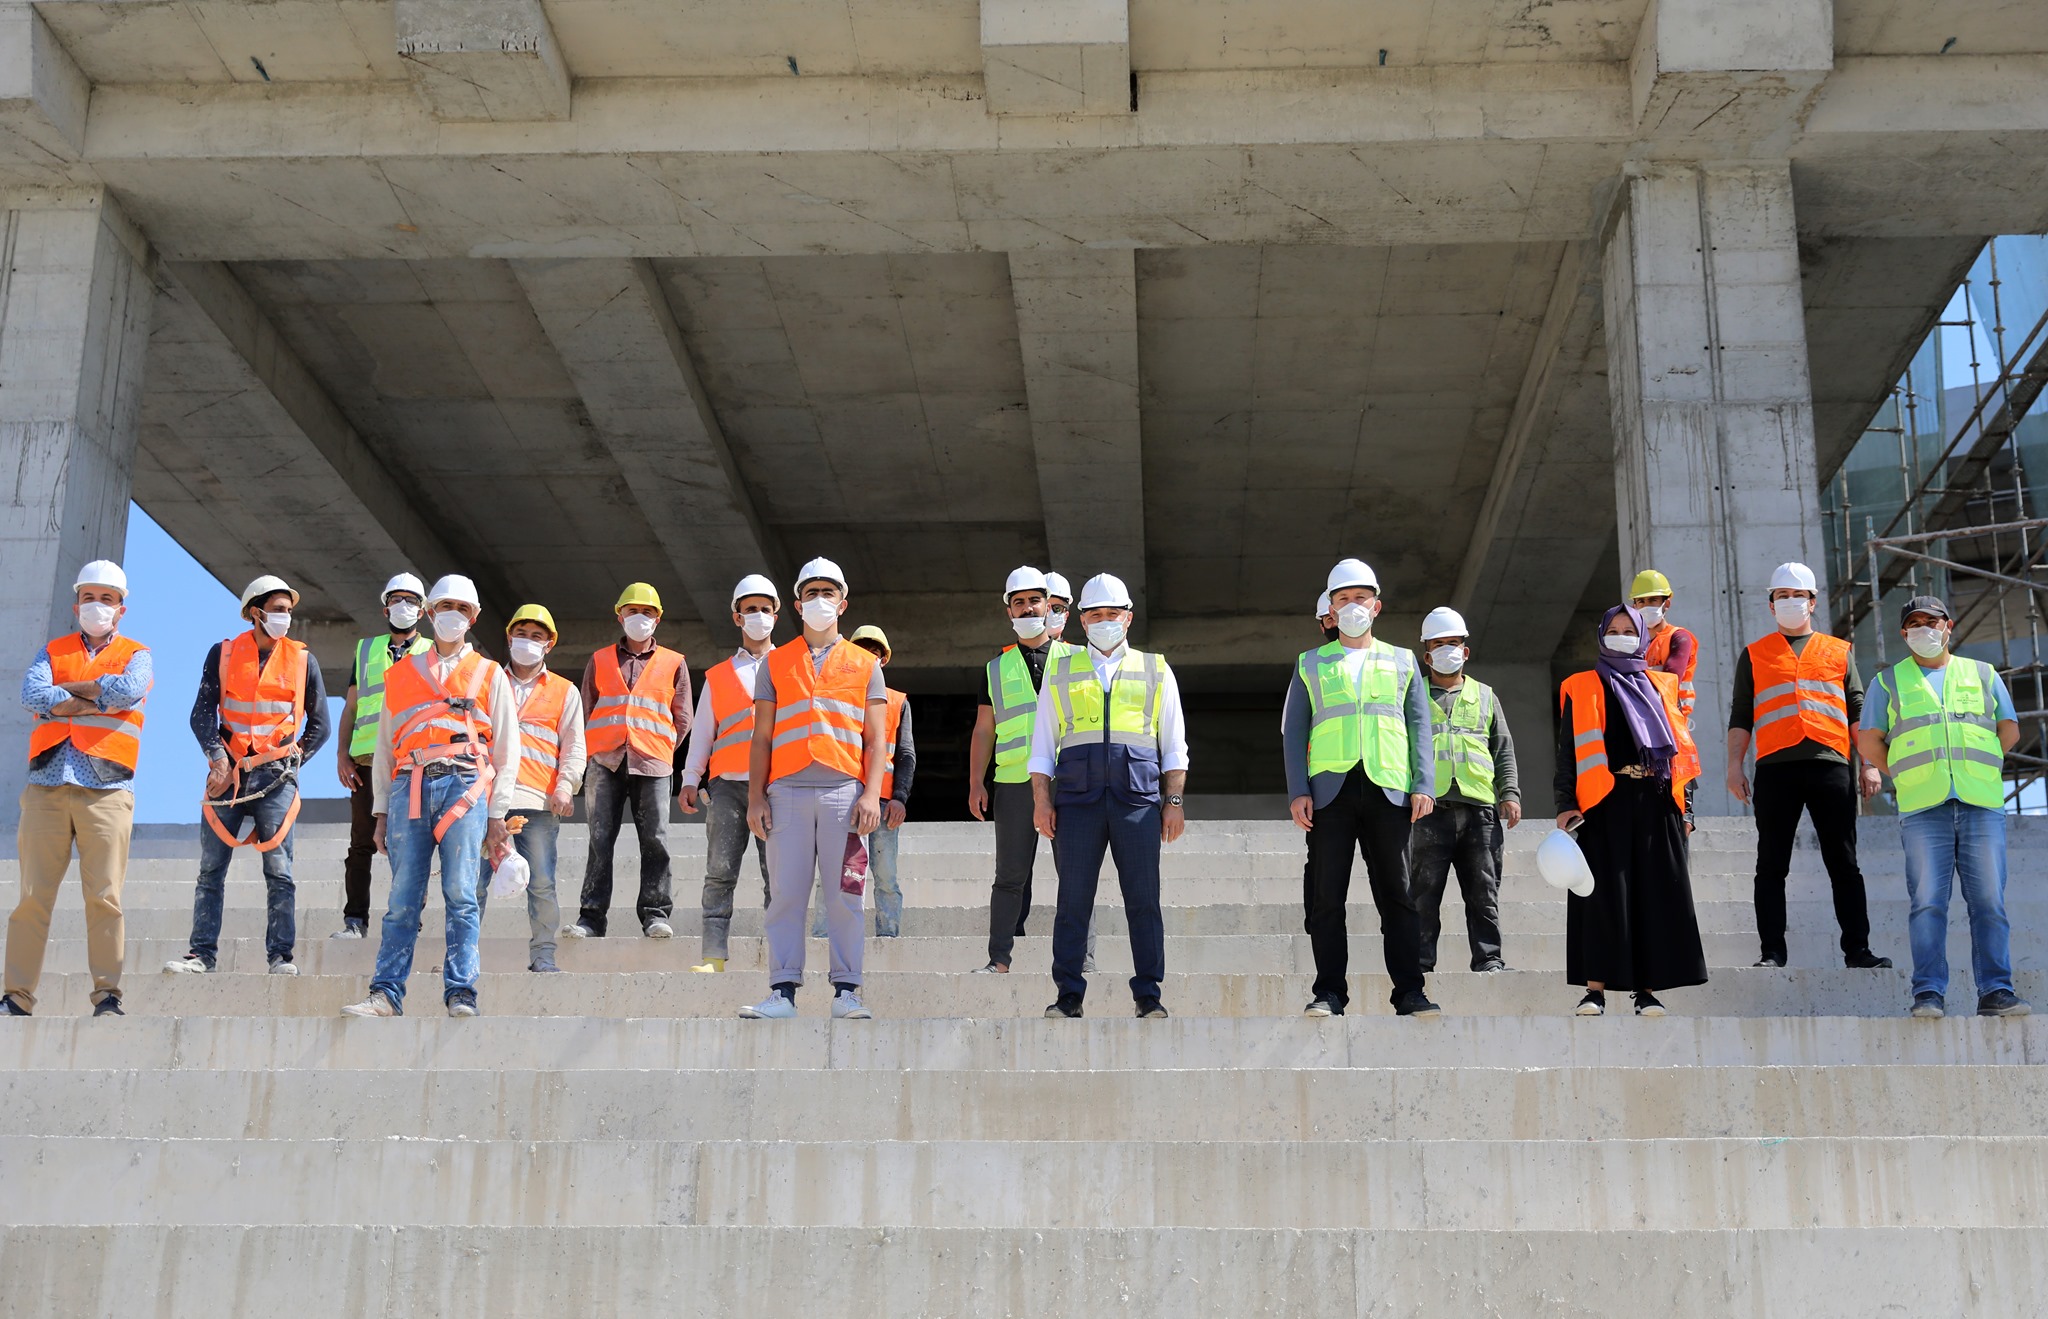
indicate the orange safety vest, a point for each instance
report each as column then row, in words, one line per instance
column 430, row 722
column 820, row 713
column 1660, row 650
column 113, row 735
column 1799, row 696
column 262, row 708
column 1587, row 695
column 643, row 717
column 732, row 722
column 891, row 721
column 540, row 732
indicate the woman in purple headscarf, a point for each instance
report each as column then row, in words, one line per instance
column 1624, row 758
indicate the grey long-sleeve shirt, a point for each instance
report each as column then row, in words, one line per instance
column 1500, row 744
column 1322, row 789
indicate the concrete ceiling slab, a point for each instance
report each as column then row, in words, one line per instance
column 220, row 41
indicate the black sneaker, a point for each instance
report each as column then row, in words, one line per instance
column 1151, row 1008
column 2003, row 1003
column 10, row 1008
column 1323, row 1007
column 1594, row 1004
column 1647, row 1004
column 1772, row 959
column 110, row 1006
column 1928, row 1005
column 1867, row 961
column 1415, row 1003
column 1488, row 968
column 1067, row 1005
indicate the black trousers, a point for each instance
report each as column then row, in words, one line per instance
column 1827, row 792
column 1360, row 819
column 355, row 868
column 1465, row 837
column 1009, row 900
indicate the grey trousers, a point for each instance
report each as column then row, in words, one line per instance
column 807, row 844
column 725, row 850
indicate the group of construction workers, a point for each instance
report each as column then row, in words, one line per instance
column 1406, row 761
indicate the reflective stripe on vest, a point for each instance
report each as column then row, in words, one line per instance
column 820, row 712
column 262, row 697
column 1799, row 697
column 1947, row 742
column 1462, row 754
column 732, row 722
column 435, row 721
column 1359, row 726
column 373, row 657
column 540, row 732
column 643, row 718
column 111, row 735
column 1132, row 710
column 1586, row 694
column 891, row 721
column 1659, row 650
column 1015, row 702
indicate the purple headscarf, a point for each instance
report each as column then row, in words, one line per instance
column 1628, row 679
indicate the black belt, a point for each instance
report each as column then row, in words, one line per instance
column 441, row 769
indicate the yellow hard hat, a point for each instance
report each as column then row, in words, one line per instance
column 869, row 632
column 1649, row 582
column 534, row 614
column 639, row 593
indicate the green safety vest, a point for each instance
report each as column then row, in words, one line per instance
column 1131, row 718
column 1462, row 754
column 373, row 657
column 1367, row 727
column 1947, row 742
column 1016, row 708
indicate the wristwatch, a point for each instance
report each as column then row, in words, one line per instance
column 1172, row 799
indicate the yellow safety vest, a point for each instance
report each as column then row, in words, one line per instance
column 1359, row 726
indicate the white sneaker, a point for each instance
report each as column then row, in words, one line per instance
column 772, row 1008
column 376, row 1005
column 280, row 967
column 577, row 931
column 846, row 1006
column 659, row 929
column 352, row 930
column 189, row 965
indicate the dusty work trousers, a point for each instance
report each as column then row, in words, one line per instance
column 608, row 794
column 725, row 851
column 807, row 833
column 99, row 821
column 1466, row 837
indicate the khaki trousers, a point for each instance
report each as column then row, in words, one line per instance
column 100, row 822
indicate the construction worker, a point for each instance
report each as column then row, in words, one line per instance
column 551, row 759
column 445, row 770
column 637, row 695
column 1361, row 771
column 1326, row 618
column 1941, row 724
column 1671, row 648
column 1112, row 731
column 1798, row 695
column 357, row 741
column 1059, row 598
column 1478, row 794
column 260, row 714
column 86, row 691
column 1002, row 730
column 814, row 789
column 721, row 741
column 899, row 768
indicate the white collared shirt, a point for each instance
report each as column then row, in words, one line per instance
column 1173, row 742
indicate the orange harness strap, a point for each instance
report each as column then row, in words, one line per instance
column 256, row 759
column 486, row 772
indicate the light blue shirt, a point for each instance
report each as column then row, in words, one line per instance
column 1877, row 703
column 118, row 691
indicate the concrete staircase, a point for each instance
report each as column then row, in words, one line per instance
column 615, row 1141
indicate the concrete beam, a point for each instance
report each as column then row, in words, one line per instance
column 1729, row 74
column 1043, row 57
column 618, row 338
column 483, row 61
column 43, row 95
column 1077, row 328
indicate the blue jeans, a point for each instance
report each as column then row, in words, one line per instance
column 882, row 882
column 280, row 930
column 411, row 845
column 1943, row 844
column 536, row 842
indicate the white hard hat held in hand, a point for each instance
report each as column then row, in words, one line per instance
column 1563, row 865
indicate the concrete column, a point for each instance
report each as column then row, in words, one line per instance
column 75, row 297
column 1715, row 482
column 1529, row 700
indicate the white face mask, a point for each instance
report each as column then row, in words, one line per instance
column 1622, row 645
column 757, row 626
column 1028, row 626
column 1106, row 635
column 1792, row 611
column 96, row 620
column 820, row 613
column 276, row 625
column 1652, row 614
column 404, row 615
column 1056, row 620
column 639, row 627
column 1447, row 659
column 1355, row 620
column 526, row 652
column 450, row 625
column 1926, row 642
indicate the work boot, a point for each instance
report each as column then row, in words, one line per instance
column 1067, row 1005
column 1151, row 1009
column 351, row 928
column 1867, row 961
column 376, row 1005
column 1415, row 1003
column 191, row 964
column 462, row 1003
column 110, row 1006
column 2003, row 1003
column 1928, row 1005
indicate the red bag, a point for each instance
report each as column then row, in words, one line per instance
column 853, row 872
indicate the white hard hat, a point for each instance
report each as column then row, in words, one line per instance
column 1444, row 622
column 1103, row 591
column 266, row 585
column 1056, row 587
column 454, row 587
column 102, row 572
column 1794, row 577
column 1352, row 572
column 405, row 581
column 1322, row 604
column 1562, row 864
column 821, row 570
column 753, row 584
column 1026, row 578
